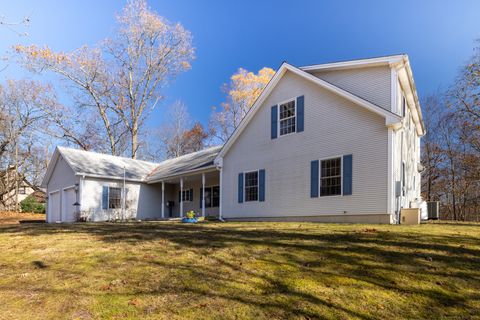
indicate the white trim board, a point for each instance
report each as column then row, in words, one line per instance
column 369, row 62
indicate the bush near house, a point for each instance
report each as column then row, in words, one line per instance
column 30, row 204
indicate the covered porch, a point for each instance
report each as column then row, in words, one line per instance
column 198, row 192
column 188, row 183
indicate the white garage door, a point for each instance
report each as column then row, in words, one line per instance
column 68, row 212
column 54, row 207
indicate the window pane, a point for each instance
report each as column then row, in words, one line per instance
column 251, row 186
column 287, row 110
column 115, row 198
column 208, row 197
column 216, row 196
column 331, row 177
column 187, row 195
column 287, row 117
column 287, row 126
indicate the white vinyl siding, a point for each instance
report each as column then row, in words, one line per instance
column 371, row 83
column 336, row 126
column 407, row 158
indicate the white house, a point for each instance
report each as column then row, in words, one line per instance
column 337, row 142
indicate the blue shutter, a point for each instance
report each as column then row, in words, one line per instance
column 300, row 113
column 261, row 185
column 240, row 187
column 314, row 179
column 347, row 175
column 105, row 198
column 274, row 122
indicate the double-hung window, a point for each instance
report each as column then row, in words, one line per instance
column 114, row 198
column 212, row 197
column 251, row 186
column 331, row 177
column 287, row 117
column 187, row 195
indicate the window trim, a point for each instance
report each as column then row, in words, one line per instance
column 294, row 99
column 258, row 186
column 320, row 176
column 184, row 191
column 211, row 187
column 121, row 197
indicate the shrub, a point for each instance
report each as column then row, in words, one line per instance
column 30, row 204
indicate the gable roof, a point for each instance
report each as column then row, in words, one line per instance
column 390, row 117
column 188, row 163
column 402, row 66
column 98, row 165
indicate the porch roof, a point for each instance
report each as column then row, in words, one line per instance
column 190, row 162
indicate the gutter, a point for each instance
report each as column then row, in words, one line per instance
column 82, row 174
column 189, row 172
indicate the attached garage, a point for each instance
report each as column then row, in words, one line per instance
column 68, row 208
column 54, row 203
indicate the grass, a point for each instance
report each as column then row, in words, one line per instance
column 9, row 217
column 166, row 270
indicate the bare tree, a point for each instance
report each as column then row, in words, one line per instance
column 15, row 26
column 179, row 135
column 22, row 120
column 121, row 78
column 432, row 152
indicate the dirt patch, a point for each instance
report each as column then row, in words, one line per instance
column 11, row 217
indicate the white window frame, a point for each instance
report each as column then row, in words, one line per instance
column 258, row 186
column 295, row 116
column 121, row 197
column 320, row 176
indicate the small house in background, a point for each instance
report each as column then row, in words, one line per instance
column 10, row 199
column 335, row 142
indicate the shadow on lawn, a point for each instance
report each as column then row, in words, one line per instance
column 379, row 259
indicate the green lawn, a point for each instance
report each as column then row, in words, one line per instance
column 155, row 270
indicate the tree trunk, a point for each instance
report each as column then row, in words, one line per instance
column 134, row 133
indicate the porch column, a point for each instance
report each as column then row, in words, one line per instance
column 163, row 199
column 181, row 197
column 221, row 195
column 203, row 194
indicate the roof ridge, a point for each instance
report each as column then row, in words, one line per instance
column 366, row 60
column 105, row 154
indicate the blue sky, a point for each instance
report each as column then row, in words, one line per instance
column 437, row 35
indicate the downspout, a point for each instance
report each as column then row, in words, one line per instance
column 219, row 166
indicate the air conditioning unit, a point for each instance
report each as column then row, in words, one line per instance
column 433, row 208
